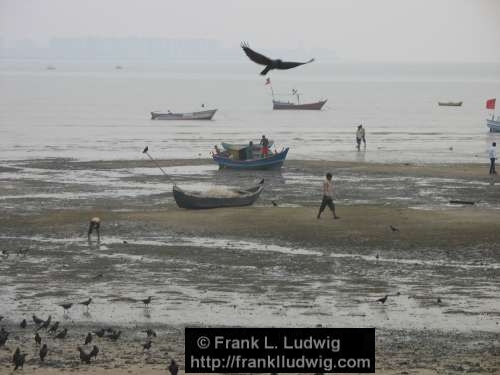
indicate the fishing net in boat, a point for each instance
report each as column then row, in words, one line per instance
column 219, row 192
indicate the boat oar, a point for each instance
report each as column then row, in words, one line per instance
column 145, row 151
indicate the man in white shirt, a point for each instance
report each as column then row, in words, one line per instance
column 492, row 153
column 327, row 196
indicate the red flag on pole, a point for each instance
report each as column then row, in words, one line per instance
column 268, row 81
column 490, row 104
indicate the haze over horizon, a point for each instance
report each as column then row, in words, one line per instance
column 357, row 30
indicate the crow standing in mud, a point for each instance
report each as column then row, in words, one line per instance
column 43, row 352
column 173, row 368
column 84, row 357
column 94, row 352
column 18, row 359
column 270, row 63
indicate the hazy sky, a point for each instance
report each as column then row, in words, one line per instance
column 362, row 30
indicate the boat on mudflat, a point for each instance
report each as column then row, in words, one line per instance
column 217, row 199
column 494, row 125
column 200, row 115
column 450, row 104
column 306, row 106
column 270, row 162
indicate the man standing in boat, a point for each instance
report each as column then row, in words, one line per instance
column 492, row 153
column 360, row 136
column 265, row 146
column 327, row 197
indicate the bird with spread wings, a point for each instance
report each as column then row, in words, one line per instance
column 270, row 63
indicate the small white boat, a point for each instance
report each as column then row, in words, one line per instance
column 494, row 125
column 200, row 115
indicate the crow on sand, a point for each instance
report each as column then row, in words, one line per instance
column 173, row 368
column 43, row 352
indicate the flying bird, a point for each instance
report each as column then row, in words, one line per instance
column 393, row 228
column 66, row 306
column 383, row 299
column 45, row 324
column 37, row 320
column 270, row 63
column 86, row 303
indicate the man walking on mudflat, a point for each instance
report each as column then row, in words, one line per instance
column 327, row 197
column 492, row 153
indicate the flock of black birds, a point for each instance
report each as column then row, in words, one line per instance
column 52, row 330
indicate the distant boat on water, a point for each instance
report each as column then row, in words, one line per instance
column 279, row 104
column 200, row 115
column 450, row 104
column 51, row 67
column 494, row 125
column 307, row 106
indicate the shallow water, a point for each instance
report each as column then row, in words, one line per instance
column 90, row 111
column 233, row 281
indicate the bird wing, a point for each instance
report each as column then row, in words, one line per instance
column 292, row 64
column 255, row 56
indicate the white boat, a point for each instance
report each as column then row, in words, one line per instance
column 494, row 125
column 200, row 115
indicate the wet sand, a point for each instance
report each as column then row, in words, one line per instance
column 256, row 264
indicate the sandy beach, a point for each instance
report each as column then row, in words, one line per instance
column 253, row 266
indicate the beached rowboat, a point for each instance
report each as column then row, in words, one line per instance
column 270, row 162
column 200, row 115
column 450, row 104
column 199, row 200
column 306, row 106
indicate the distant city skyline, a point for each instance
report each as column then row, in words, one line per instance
column 355, row 30
column 141, row 48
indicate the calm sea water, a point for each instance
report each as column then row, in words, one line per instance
column 92, row 111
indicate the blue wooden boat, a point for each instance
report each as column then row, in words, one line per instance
column 271, row 162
